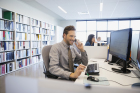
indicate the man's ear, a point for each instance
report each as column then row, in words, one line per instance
column 64, row 35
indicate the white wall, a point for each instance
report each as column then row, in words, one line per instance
column 59, row 33
column 64, row 23
column 24, row 9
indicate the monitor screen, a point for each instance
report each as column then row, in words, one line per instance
column 120, row 43
column 138, row 54
column 108, row 40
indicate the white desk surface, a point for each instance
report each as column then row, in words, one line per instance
column 110, row 75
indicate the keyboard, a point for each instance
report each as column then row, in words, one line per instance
column 92, row 69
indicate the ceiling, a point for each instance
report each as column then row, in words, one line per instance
column 111, row 8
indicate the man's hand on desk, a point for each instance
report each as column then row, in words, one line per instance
column 78, row 71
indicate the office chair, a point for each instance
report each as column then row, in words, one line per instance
column 46, row 61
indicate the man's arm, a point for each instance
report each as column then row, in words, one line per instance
column 83, row 58
column 54, row 67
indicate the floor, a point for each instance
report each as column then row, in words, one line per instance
column 33, row 71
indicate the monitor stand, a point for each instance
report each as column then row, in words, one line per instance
column 136, row 85
column 122, row 70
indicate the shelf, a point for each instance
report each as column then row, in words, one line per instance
column 7, row 50
column 46, row 34
column 36, row 55
column 52, row 35
column 36, row 47
column 5, row 19
column 51, row 40
column 7, row 40
column 23, row 23
column 7, row 73
column 36, row 33
column 23, row 57
column 7, row 61
column 22, row 49
column 22, row 32
column 36, row 40
column 8, row 30
column 44, row 40
column 22, row 40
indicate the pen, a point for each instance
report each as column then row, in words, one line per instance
column 87, row 73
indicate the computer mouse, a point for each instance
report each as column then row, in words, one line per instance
column 93, row 79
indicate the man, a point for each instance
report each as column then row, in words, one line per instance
column 62, row 56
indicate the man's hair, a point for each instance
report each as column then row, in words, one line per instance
column 67, row 29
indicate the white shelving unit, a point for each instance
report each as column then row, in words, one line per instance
column 43, row 26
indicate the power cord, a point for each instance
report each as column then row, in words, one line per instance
column 118, row 73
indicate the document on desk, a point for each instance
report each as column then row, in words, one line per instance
column 92, row 60
column 104, row 83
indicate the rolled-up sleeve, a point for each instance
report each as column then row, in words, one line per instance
column 54, row 67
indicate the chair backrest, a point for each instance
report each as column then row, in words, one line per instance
column 45, row 55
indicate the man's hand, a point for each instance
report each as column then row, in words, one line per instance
column 78, row 71
column 80, row 46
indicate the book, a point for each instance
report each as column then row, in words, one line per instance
column 7, row 15
column 7, row 68
column 0, row 13
column 1, row 24
column 0, row 70
column 3, row 69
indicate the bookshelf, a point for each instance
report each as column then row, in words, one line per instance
column 21, row 41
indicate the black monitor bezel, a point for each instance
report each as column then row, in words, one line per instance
column 129, row 44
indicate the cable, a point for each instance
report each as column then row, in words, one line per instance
column 116, row 82
column 119, row 73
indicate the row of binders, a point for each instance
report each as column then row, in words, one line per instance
column 36, row 30
column 22, row 19
column 22, row 53
column 23, row 45
column 36, row 44
column 45, row 38
column 36, row 59
column 36, row 51
column 44, row 43
column 7, row 56
column 22, row 36
column 6, row 35
column 36, row 37
column 45, row 31
column 6, row 25
column 7, row 68
column 23, row 62
column 22, row 27
column 5, row 46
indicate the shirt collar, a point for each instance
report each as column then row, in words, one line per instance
column 65, row 45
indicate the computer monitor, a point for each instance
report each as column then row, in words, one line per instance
column 138, row 56
column 120, row 46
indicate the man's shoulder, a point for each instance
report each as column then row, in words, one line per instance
column 57, row 45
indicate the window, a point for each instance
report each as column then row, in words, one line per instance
column 81, row 36
column 103, row 35
column 103, row 28
column 124, row 24
column 101, row 25
column 91, row 32
column 135, row 24
column 81, row 26
column 91, row 25
column 112, row 25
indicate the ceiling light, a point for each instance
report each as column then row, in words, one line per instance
column 101, row 6
column 62, row 9
column 83, row 13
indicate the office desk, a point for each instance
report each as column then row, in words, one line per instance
column 110, row 75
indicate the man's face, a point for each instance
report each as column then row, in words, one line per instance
column 70, row 37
